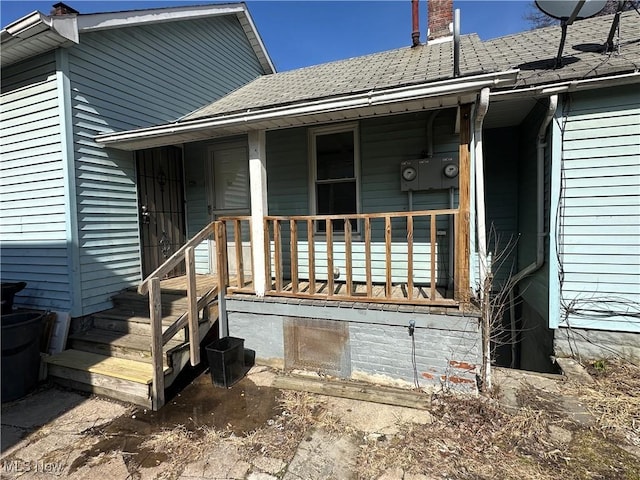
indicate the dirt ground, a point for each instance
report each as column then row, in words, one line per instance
column 530, row 427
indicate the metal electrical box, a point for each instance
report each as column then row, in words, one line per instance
column 434, row 173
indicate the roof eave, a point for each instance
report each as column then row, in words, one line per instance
column 34, row 34
column 311, row 111
column 37, row 33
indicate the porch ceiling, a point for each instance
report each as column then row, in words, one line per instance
column 508, row 112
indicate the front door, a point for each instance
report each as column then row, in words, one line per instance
column 229, row 171
column 229, row 193
column 161, row 203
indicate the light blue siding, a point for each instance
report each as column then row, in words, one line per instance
column 33, row 238
column 384, row 143
column 501, row 152
column 129, row 78
column 195, row 168
column 534, row 288
column 599, row 218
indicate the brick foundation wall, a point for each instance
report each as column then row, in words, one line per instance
column 447, row 348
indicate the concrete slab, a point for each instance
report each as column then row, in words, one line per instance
column 574, row 371
column 369, row 417
column 322, row 455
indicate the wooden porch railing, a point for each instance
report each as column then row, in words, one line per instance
column 189, row 319
column 393, row 253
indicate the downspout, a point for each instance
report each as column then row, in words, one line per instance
column 539, row 261
column 481, row 111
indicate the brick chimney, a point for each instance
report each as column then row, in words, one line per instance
column 62, row 9
column 439, row 19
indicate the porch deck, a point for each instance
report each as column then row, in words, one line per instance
column 321, row 290
column 179, row 284
column 398, row 294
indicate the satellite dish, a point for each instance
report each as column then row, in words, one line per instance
column 567, row 11
column 571, row 9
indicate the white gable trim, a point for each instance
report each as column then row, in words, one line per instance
column 105, row 21
column 129, row 18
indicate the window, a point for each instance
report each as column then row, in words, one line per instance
column 335, row 170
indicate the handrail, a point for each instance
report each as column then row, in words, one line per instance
column 358, row 216
column 176, row 258
column 189, row 319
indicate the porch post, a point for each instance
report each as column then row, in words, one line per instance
column 259, row 207
column 462, row 252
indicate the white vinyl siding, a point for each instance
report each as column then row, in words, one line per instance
column 32, row 186
column 599, row 239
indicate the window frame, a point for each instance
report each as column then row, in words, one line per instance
column 352, row 127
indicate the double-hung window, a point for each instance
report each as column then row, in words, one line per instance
column 335, row 172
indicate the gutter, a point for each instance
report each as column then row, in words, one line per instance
column 570, row 86
column 22, row 25
column 35, row 23
column 368, row 99
column 482, row 107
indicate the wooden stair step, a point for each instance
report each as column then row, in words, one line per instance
column 121, row 368
column 122, row 379
column 119, row 344
column 122, row 315
column 130, row 325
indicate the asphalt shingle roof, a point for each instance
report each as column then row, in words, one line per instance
column 533, row 52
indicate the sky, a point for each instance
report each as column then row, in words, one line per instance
column 303, row 32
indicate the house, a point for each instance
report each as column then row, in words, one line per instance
column 358, row 215
column 70, row 207
column 373, row 197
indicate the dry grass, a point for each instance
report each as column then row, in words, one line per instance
column 468, row 438
column 614, row 399
column 478, row 439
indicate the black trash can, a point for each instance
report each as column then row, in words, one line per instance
column 20, row 353
column 226, row 360
column 9, row 289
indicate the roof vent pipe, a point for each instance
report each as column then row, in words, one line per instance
column 415, row 23
column 456, row 43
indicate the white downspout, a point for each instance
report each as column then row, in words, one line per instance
column 481, row 111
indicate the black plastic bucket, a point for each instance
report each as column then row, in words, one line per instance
column 226, row 361
column 20, row 353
